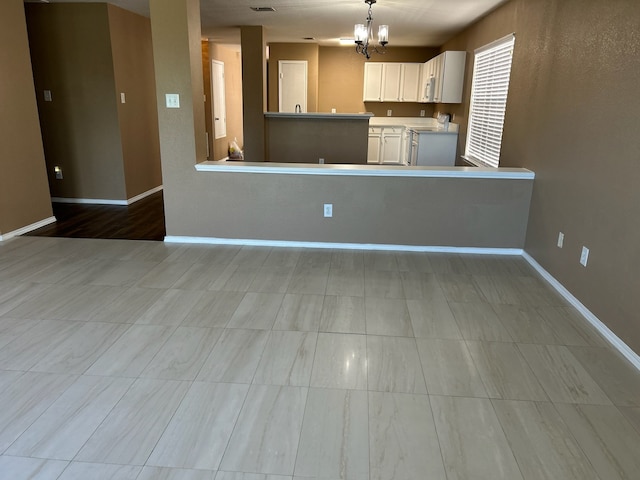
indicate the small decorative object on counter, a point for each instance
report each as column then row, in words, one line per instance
column 234, row 150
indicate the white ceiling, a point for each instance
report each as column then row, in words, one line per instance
column 411, row 22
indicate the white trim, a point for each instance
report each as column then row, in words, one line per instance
column 144, row 194
column 495, row 43
column 105, row 201
column 28, row 228
column 342, row 246
column 95, row 201
column 365, row 170
column 611, row 337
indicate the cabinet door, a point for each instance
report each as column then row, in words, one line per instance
column 411, row 81
column 372, row 82
column 452, row 77
column 373, row 149
column 392, row 74
column 426, row 88
column 391, row 151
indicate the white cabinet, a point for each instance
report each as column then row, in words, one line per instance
column 386, row 145
column 373, row 150
column 373, row 82
column 391, row 82
column 443, row 78
column 411, row 73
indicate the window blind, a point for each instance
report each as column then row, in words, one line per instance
column 490, row 86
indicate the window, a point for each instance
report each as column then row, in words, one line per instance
column 489, row 89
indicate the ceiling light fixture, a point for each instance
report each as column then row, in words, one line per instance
column 364, row 35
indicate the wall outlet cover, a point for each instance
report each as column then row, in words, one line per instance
column 584, row 256
column 173, row 100
column 328, row 210
column 560, row 239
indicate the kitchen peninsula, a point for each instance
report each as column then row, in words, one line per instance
column 307, row 137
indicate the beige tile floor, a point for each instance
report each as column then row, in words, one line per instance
column 140, row 360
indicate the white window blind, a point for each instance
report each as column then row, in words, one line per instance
column 490, row 86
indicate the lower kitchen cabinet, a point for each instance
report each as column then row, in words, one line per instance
column 386, row 145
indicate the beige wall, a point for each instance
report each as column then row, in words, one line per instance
column 572, row 117
column 138, row 117
column 177, row 54
column 341, row 81
column 254, row 91
column 293, row 51
column 233, row 92
column 24, row 192
column 71, row 54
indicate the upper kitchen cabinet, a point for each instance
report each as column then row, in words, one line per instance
column 443, row 77
column 391, row 82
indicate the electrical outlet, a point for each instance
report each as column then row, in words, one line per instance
column 123, row 98
column 47, row 96
column 389, row 112
column 328, row 209
column 584, row 256
column 58, row 171
column 333, row 110
column 321, row 161
column 422, row 113
column 560, row 239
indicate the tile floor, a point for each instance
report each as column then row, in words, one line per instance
column 140, row 360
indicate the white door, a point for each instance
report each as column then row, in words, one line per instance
column 292, row 85
column 219, row 99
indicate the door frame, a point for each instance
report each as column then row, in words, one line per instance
column 217, row 134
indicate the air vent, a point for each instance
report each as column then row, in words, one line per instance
column 263, row 9
column 309, row 38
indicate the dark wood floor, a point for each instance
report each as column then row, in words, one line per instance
column 143, row 220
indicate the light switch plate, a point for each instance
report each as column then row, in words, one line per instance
column 47, row 96
column 173, row 100
column 584, row 256
column 123, row 98
column 328, row 209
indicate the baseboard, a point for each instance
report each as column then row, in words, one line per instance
column 89, row 201
column 144, row 195
column 342, row 246
column 611, row 337
column 27, row 229
column 106, row 201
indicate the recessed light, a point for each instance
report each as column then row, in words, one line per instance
column 263, row 9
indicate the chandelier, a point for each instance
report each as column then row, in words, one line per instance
column 364, row 35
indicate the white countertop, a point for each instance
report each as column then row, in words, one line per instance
column 364, row 170
column 419, row 124
column 315, row 115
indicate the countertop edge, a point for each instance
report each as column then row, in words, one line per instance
column 365, row 170
column 314, row 115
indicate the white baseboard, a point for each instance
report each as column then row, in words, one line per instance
column 105, row 201
column 88, row 201
column 27, row 229
column 611, row 337
column 342, row 246
column 144, row 195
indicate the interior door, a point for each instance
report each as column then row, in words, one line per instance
column 219, row 99
column 292, row 85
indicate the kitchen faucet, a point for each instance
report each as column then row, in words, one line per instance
column 298, row 108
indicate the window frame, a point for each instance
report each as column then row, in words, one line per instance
column 488, row 103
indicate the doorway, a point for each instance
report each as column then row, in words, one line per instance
column 292, row 85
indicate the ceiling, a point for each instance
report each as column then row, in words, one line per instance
column 411, row 22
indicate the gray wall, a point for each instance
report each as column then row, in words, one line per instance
column 572, row 117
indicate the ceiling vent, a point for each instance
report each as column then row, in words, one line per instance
column 263, row 9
